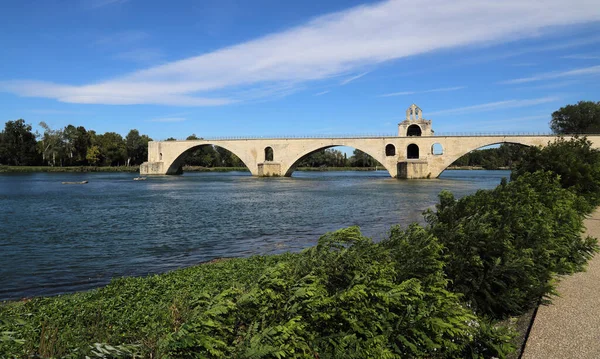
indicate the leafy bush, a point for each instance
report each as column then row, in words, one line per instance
column 347, row 297
column 574, row 160
column 504, row 246
column 127, row 311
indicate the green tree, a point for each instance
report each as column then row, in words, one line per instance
column 18, row 144
column 137, row 147
column 584, row 117
column 574, row 160
column 112, row 148
column 77, row 140
column 93, row 155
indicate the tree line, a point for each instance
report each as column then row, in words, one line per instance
column 69, row 146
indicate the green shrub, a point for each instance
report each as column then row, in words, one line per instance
column 574, row 160
column 345, row 298
column 503, row 246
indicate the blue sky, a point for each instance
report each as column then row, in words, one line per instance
column 267, row 67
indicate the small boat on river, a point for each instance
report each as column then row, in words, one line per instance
column 79, row 182
column 139, row 179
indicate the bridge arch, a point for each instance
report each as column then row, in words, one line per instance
column 290, row 166
column 450, row 158
column 175, row 166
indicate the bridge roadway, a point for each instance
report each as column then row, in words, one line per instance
column 404, row 157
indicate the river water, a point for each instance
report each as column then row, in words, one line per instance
column 58, row 238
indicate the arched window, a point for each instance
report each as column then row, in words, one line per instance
column 160, row 156
column 437, row 149
column 412, row 152
column 413, row 130
column 390, row 150
column 268, row 154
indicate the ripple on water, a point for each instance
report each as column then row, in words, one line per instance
column 57, row 239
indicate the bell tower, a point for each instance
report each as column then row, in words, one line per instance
column 415, row 124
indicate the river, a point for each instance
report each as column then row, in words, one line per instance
column 57, row 238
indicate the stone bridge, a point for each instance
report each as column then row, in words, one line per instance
column 165, row 157
column 415, row 153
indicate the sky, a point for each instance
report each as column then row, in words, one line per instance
column 238, row 68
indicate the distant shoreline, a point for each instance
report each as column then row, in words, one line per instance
column 69, row 169
column 87, row 169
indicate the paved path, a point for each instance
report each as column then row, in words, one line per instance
column 570, row 327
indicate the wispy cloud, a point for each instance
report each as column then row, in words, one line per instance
column 528, row 49
column 549, row 86
column 168, row 119
column 499, row 105
column 592, row 70
column 322, row 93
column 350, row 79
column 581, row 57
column 404, row 93
column 326, row 46
column 94, row 4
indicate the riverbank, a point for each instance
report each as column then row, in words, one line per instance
column 70, row 169
column 26, row 169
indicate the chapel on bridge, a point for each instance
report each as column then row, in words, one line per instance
column 415, row 124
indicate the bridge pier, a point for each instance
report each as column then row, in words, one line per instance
column 269, row 169
column 413, row 169
column 152, row 168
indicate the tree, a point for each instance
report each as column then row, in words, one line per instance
column 112, row 149
column 77, row 141
column 584, row 117
column 18, row 144
column 575, row 161
column 137, row 147
column 52, row 146
column 93, row 155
